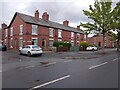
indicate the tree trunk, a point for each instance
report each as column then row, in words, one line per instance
column 118, row 41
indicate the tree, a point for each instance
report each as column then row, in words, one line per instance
column 101, row 15
column 116, row 22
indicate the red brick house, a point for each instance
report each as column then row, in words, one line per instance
column 98, row 41
column 25, row 30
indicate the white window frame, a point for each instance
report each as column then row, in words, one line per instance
column 72, row 35
column 60, row 40
column 51, row 32
column 21, row 39
column 36, row 39
column 11, row 31
column 51, row 39
column 21, row 29
column 59, row 33
column 78, row 35
column 11, row 42
column 6, row 32
column 85, row 36
column 36, row 28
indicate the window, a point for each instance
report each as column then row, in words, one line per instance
column 51, row 43
column 34, row 41
column 11, row 31
column 34, row 29
column 21, row 29
column 78, row 36
column 72, row 35
column 59, row 33
column 6, row 32
column 51, row 32
column 21, row 42
column 11, row 43
column 85, row 36
column 72, row 43
column 59, row 39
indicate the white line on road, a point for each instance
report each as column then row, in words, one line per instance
column 92, row 67
column 50, row 82
column 115, row 59
column 30, row 66
column 68, row 61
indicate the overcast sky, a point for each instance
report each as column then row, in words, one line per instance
column 58, row 11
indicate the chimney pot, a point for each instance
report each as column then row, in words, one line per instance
column 65, row 23
column 45, row 16
column 78, row 27
column 4, row 26
column 36, row 15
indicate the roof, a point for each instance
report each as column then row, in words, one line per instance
column 47, row 23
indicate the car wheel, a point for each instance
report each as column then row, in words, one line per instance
column 29, row 54
column 20, row 53
column 40, row 54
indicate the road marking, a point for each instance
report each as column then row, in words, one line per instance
column 64, row 77
column 30, row 66
column 68, row 61
column 115, row 59
column 92, row 67
column 0, row 71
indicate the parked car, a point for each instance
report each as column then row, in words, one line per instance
column 31, row 50
column 92, row 48
column 3, row 47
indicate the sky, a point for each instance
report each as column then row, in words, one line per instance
column 58, row 10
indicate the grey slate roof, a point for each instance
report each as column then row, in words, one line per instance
column 47, row 23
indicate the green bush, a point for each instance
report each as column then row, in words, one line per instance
column 84, row 44
column 61, row 44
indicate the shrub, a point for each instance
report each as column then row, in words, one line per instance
column 61, row 44
column 84, row 44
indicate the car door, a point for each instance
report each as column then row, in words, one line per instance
column 23, row 50
column 26, row 49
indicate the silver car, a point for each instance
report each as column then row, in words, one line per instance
column 31, row 50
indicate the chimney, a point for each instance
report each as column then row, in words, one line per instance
column 45, row 16
column 4, row 26
column 65, row 23
column 78, row 27
column 36, row 16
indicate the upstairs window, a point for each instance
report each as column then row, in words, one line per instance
column 11, row 31
column 72, row 35
column 34, row 29
column 78, row 36
column 51, row 30
column 6, row 32
column 21, row 29
column 59, row 33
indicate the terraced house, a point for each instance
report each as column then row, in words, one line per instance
column 25, row 30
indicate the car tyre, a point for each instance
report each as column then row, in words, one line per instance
column 20, row 53
column 29, row 54
column 40, row 54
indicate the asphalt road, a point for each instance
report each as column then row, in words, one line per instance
column 61, row 70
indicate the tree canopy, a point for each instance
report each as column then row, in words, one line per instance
column 102, row 16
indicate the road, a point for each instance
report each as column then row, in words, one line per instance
column 61, row 70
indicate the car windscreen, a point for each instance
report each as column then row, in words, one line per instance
column 35, row 47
